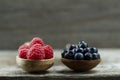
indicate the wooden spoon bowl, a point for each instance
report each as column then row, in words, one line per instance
column 80, row 65
column 34, row 65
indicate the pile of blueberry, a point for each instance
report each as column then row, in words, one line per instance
column 81, row 51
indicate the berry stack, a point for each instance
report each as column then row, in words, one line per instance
column 35, row 50
column 81, row 51
column 35, row 56
column 80, row 57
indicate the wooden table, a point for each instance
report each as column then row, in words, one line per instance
column 108, row 69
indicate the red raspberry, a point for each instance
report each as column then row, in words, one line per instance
column 48, row 52
column 23, row 53
column 36, row 40
column 24, row 46
column 36, row 52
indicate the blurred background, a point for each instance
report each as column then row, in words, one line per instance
column 59, row 22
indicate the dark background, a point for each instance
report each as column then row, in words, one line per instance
column 60, row 22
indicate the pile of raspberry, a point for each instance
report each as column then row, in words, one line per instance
column 36, row 49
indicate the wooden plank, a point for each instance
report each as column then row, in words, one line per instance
column 108, row 69
column 60, row 21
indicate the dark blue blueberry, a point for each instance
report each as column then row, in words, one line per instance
column 69, row 55
column 72, row 46
column 82, row 44
column 87, row 49
column 88, row 56
column 71, row 52
column 93, row 50
column 78, row 56
column 74, row 50
column 64, row 52
column 96, row 56
column 80, row 50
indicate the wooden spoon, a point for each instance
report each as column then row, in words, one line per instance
column 34, row 65
column 80, row 65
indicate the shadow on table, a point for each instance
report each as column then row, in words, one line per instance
column 70, row 71
column 42, row 72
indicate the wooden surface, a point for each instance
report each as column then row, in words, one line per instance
column 108, row 69
column 60, row 22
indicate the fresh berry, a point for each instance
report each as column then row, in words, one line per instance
column 36, row 40
column 23, row 53
column 73, row 50
column 96, row 56
column 93, row 50
column 48, row 52
column 82, row 44
column 80, row 50
column 70, row 55
column 87, row 49
column 36, row 52
column 78, row 56
column 64, row 52
column 88, row 56
column 72, row 46
column 24, row 46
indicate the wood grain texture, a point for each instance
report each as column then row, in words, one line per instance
column 108, row 69
column 60, row 22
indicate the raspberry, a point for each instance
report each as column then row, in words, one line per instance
column 36, row 40
column 36, row 52
column 48, row 52
column 24, row 46
column 23, row 53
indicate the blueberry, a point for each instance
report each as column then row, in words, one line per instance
column 88, row 56
column 64, row 52
column 69, row 55
column 72, row 46
column 80, row 50
column 71, row 52
column 78, row 56
column 82, row 44
column 74, row 50
column 87, row 49
column 93, row 50
column 96, row 55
